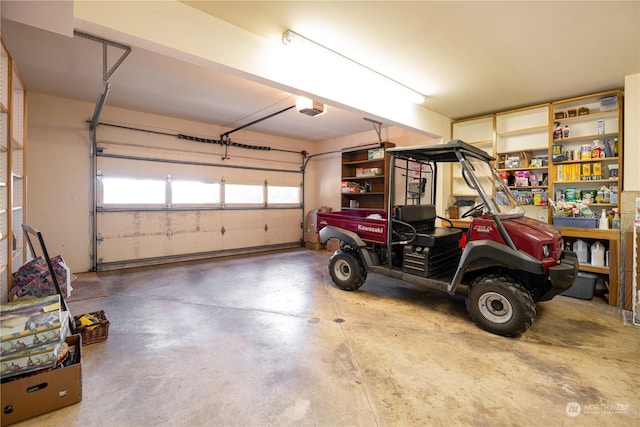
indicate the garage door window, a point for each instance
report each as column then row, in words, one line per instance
column 243, row 194
column 194, row 192
column 279, row 195
column 131, row 191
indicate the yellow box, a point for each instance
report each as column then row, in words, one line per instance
column 586, row 171
column 575, row 172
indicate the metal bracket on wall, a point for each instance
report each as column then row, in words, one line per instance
column 377, row 126
column 106, row 73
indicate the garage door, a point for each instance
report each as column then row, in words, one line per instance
column 156, row 205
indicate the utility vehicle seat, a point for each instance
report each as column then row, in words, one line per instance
column 423, row 219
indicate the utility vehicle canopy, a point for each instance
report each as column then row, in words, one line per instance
column 445, row 153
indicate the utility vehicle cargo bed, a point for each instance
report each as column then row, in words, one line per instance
column 370, row 230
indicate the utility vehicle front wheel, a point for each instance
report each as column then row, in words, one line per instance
column 346, row 270
column 500, row 305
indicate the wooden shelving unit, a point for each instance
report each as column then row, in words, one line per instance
column 13, row 130
column 531, row 129
column 376, row 184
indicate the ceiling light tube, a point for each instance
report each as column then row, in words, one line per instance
column 290, row 37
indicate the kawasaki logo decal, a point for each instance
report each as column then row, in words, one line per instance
column 379, row 230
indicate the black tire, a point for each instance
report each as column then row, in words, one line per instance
column 346, row 270
column 500, row 305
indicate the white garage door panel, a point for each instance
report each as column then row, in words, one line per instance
column 135, row 235
column 284, row 226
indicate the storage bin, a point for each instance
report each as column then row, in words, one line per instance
column 575, row 222
column 583, row 287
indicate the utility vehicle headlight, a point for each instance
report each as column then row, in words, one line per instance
column 546, row 251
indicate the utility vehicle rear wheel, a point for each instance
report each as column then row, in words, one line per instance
column 500, row 305
column 346, row 270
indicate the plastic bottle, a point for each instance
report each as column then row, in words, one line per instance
column 565, row 132
column 557, row 134
column 600, row 125
column 604, row 221
column 597, row 254
column 596, row 149
column 581, row 248
column 608, row 152
column 615, row 222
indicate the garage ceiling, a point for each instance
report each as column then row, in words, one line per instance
column 469, row 58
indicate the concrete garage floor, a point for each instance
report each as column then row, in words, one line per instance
column 267, row 340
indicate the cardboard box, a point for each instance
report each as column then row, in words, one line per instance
column 311, row 237
column 375, row 154
column 314, row 246
column 44, row 392
column 333, row 244
column 525, row 159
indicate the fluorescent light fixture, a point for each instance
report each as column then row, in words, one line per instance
column 291, row 38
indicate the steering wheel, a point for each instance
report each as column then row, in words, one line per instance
column 412, row 230
column 472, row 210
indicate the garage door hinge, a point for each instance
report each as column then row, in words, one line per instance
column 222, row 230
column 266, row 228
column 169, row 234
column 99, row 174
column 99, row 238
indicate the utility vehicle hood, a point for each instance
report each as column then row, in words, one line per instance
column 529, row 234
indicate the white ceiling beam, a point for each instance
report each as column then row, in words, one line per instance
column 53, row 16
column 179, row 31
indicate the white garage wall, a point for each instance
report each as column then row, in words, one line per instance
column 58, row 164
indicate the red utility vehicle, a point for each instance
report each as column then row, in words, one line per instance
column 504, row 263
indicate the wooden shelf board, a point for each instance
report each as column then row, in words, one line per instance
column 368, row 193
column 591, row 233
column 587, row 181
column 585, row 117
column 353, row 178
column 523, row 169
column 527, row 187
column 588, row 137
column 594, row 269
column 363, row 162
column 599, row 159
column 533, row 129
column 520, row 150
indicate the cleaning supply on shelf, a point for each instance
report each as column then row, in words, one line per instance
column 581, row 248
column 615, row 222
column 557, row 134
column 608, row 151
column 600, row 125
column 565, row 132
column 604, row 221
column 596, row 149
column 597, row 254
